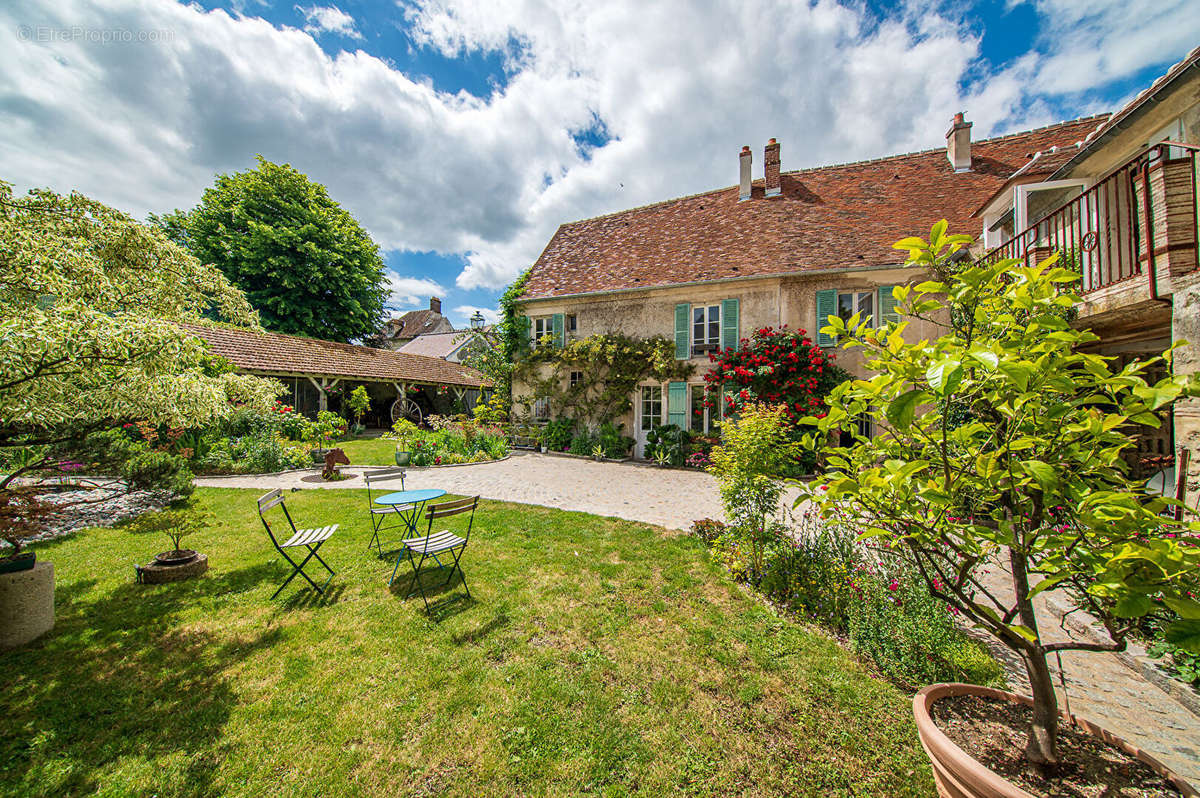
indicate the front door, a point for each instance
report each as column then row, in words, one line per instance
column 649, row 405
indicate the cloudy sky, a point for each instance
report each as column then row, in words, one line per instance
column 461, row 133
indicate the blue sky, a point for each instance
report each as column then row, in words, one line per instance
column 461, row 133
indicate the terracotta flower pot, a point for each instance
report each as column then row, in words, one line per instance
column 959, row 775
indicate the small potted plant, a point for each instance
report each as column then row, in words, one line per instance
column 358, row 403
column 404, row 431
column 318, row 434
column 598, row 452
column 22, row 515
column 179, row 520
column 662, row 456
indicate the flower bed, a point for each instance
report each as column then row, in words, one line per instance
column 450, row 441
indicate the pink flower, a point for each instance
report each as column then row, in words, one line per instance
column 893, row 585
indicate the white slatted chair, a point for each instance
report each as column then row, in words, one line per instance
column 433, row 544
column 310, row 539
column 394, row 516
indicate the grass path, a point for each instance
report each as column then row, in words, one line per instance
column 598, row 657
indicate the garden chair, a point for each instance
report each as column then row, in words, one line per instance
column 310, row 539
column 440, row 543
column 382, row 515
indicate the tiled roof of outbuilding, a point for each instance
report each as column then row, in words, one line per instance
column 830, row 217
column 291, row 354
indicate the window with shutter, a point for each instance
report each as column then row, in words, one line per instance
column 677, row 409
column 888, row 306
column 827, row 301
column 682, row 333
column 558, row 330
column 729, row 323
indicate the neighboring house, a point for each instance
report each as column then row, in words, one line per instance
column 398, row 331
column 1121, row 207
column 453, row 346
column 318, row 373
column 707, row 270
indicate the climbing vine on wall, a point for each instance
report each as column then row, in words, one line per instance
column 609, row 368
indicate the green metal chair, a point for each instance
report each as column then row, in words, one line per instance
column 433, row 544
column 310, row 539
column 388, row 517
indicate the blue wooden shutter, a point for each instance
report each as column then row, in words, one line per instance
column 888, row 306
column 729, row 324
column 525, row 330
column 677, row 406
column 683, row 318
column 826, row 307
column 558, row 330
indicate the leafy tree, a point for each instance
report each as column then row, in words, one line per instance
column 90, row 302
column 304, row 263
column 1033, row 479
column 358, row 403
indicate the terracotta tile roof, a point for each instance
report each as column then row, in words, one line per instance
column 1043, row 164
column 434, row 344
column 831, row 217
column 291, row 354
column 416, row 322
column 1114, row 121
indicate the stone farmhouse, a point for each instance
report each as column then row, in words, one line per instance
column 795, row 247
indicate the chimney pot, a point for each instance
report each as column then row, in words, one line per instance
column 744, row 173
column 958, row 143
column 774, row 185
column 435, row 304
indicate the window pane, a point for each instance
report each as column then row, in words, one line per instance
column 696, row 422
column 845, row 306
column 697, row 315
column 866, row 304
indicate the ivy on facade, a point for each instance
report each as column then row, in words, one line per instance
column 606, row 368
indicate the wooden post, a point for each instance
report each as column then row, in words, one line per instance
column 322, row 387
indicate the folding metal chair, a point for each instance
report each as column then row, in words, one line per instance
column 310, row 539
column 431, row 545
column 381, row 515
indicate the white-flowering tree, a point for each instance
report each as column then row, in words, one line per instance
column 90, row 302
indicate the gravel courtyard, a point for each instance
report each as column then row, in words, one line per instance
column 671, row 498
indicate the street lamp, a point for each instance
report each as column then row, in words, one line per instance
column 477, row 321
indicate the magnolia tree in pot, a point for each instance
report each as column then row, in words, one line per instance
column 1000, row 443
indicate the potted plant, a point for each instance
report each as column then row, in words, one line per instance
column 180, row 519
column 998, row 447
column 404, row 431
column 26, row 586
column 358, row 403
column 598, row 452
column 318, row 433
column 22, row 515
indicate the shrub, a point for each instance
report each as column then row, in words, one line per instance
column 708, row 530
column 809, row 569
column 558, row 434
column 612, row 439
column 910, row 635
column 582, row 443
column 667, row 442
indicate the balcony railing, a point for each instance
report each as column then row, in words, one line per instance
column 1123, row 225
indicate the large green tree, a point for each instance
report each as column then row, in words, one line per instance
column 302, row 260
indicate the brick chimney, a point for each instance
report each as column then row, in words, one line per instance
column 744, row 182
column 958, row 144
column 435, row 304
column 771, row 165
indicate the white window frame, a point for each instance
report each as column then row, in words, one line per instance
column 707, row 312
column 871, row 294
column 546, row 323
column 1021, row 198
column 541, row 408
column 654, row 419
column 571, row 378
column 571, row 322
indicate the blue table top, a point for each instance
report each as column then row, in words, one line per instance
column 410, row 496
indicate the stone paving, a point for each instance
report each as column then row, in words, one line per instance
column 1099, row 685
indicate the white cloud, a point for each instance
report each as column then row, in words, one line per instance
column 329, row 19
column 463, row 314
column 410, row 292
column 679, row 87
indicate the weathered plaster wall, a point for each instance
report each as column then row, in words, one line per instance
column 1185, row 325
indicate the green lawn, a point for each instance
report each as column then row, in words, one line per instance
column 369, row 451
column 597, row 657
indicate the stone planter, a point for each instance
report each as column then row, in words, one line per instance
column 157, row 573
column 959, row 775
column 403, row 458
column 26, row 605
column 22, row 562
